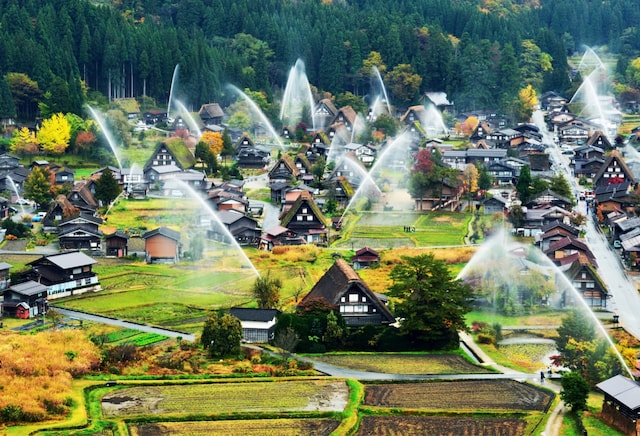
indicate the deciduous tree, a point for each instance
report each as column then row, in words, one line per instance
column 54, row 135
column 266, row 291
column 24, row 142
column 221, row 335
column 37, row 186
column 431, row 303
column 575, row 391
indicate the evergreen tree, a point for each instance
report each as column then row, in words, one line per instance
column 575, row 391
column 107, row 187
column 7, row 107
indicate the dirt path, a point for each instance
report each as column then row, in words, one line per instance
column 554, row 424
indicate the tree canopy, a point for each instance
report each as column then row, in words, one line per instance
column 431, row 303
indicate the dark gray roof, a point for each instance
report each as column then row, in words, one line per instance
column 29, row 288
column 68, row 260
column 4, row 265
column 247, row 314
column 624, row 390
column 164, row 231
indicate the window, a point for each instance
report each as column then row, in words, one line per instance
column 299, row 218
column 304, row 210
column 343, row 299
column 309, row 217
column 364, row 299
column 590, row 285
column 353, row 298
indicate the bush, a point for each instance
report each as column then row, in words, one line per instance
column 485, row 338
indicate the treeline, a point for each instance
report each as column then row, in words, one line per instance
column 479, row 52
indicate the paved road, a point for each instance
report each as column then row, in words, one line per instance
column 120, row 323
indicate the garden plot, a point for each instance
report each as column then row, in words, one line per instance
column 396, row 425
column 219, row 398
column 248, row 427
column 460, row 395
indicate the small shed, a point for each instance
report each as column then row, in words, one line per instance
column 117, row 244
column 365, row 257
column 621, row 406
column 258, row 325
column 25, row 300
column 162, row 245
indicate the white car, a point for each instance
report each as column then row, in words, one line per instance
column 24, row 202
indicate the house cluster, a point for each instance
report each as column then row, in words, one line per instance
column 340, row 288
column 47, row 278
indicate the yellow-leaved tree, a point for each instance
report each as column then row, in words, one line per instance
column 213, row 141
column 54, row 135
column 527, row 102
column 24, row 142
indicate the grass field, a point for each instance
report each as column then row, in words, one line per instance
column 403, row 363
column 222, row 398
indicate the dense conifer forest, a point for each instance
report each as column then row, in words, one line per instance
column 481, row 52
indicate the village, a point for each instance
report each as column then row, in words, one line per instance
column 300, row 206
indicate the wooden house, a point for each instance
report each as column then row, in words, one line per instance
column 599, row 139
column 211, row 113
column 80, row 233
column 502, row 173
column 59, row 210
column 342, row 191
column 25, row 300
column 614, row 171
column 64, row 274
column 445, row 196
column 117, row 244
column 5, row 278
column 553, row 232
column 82, row 198
column 346, row 116
column 162, row 245
column 8, row 162
column 614, row 197
column 586, row 281
column 244, row 229
column 324, row 113
column 566, row 247
column 248, row 155
column 171, row 152
column 306, row 219
column 365, row 257
column 342, row 288
column 319, row 147
column 621, row 405
column 258, row 325
column 495, row 204
column 64, row 175
column 284, row 170
column 549, row 198
column 4, row 208
column 279, row 236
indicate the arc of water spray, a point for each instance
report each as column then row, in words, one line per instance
column 174, row 79
column 376, row 71
column 107, row 134
column 193, row 126
column 256, row 110
column 499, row 246
column 212, row 213
column 297, row 89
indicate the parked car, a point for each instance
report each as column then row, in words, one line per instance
column 38, row 217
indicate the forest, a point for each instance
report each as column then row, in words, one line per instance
column 480, row 52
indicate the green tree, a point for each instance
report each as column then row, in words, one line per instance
column 560, row 186
column 205, row 155
column 266, row 291
column 221, row 335
column 107, row 187
column 37, row 186
column 524, row 186
column 334, row 333
column 404, row 84
column 485, row 181
column 7, row 106
column 577, row 326
column 575, row 391
column 432, row 304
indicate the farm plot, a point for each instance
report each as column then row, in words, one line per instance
column 404, row 363
column 218, row 398
column 249, row 427
column 460, row 395
column 394, row 425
